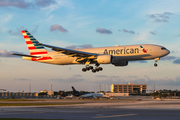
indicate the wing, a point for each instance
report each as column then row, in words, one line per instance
column 24, row 55
column 72, row 53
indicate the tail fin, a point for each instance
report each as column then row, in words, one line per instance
column 33, row 46
column 74, row 90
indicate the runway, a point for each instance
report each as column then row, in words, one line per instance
column 97, row 109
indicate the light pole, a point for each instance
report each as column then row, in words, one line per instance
column 51, row 86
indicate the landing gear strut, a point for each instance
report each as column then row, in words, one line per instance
column 156, row 60
column 97, row 69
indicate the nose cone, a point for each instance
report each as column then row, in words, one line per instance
column 168, row 52
column 165, row 52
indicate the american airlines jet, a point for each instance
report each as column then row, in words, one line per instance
column 85, row 95
column 116, row 55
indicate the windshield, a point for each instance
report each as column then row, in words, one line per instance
column 163, row 48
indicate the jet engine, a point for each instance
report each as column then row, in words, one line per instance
column 120, row 63
column 104, row 59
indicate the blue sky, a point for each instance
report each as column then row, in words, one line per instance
column 82, row 23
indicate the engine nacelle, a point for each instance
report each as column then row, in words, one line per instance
column 120, row 63
column 104, row 59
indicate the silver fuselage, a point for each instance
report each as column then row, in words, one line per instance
column 120, row 53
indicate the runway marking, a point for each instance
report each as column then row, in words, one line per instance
column 114, row 116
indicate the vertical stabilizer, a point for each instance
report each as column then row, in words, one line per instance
column 33, row 46
column 74, row 90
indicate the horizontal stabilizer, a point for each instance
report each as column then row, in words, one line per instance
column 25, row 55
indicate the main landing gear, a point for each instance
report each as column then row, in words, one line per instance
column 156, row 60
column 97, row 68
column 87, row 68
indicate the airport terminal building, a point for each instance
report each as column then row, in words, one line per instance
column 130, row 88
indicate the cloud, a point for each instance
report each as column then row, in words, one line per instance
column 23, row 4
column 140, row 61
column 69, row 80
column 71, row 47
column 158, row 18
column 103, row 31
column 174, row 51
column 110, row 80
column 177, row 61
column 5, row 18
column 153, row 33
column 35, row 29
column 86, row 46
column 79, row 46
column 77, row 75
column 161, row 82
column 57, row 27
column 16, row 3
column 18, row 30
column 14, row 33
column 114, row 76
column 166, row 81
column 22, row 79
column 4, row 53
column 75, row 78
column 45, row 3
column 168, row 58
column 128, row 31
column 101, row 76
column 131, row 76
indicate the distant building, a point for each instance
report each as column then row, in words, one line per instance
column 50, row 93
column 18, row 95
column 130, row 88
column 44, row 91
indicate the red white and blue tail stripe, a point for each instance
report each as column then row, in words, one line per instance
column 33, row 46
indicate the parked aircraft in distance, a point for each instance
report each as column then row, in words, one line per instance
column 85, row 95
column 116, row 55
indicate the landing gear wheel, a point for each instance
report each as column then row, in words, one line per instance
column 84, row 69
column 97, row 64
column 87, row 68
column 97, row 69
column 155, row 64
column 93, row 70
column 100, row 68
column 90, row 67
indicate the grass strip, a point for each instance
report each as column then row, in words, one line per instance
column 34, row 104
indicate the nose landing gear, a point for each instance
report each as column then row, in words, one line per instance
column 156, row 60
column 155, row 64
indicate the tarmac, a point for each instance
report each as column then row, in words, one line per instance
column 96, row 109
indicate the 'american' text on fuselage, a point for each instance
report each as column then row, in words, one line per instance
column 122, row 51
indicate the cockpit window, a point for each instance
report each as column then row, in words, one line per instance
column 163, row 48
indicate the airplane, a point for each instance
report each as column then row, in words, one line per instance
column 85, row 95
column 116, row 55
